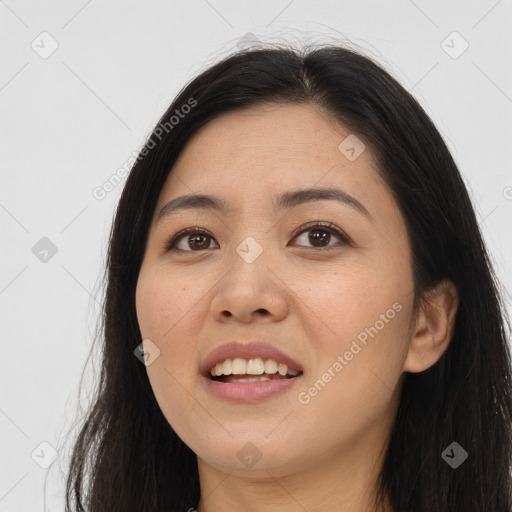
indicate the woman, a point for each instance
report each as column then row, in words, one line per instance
column 297, row 263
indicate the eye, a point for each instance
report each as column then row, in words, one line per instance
column 197, row 239
column 320, row 235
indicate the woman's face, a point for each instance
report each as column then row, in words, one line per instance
column 338, row 305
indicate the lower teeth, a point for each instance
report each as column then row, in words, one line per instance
column 233, row 378
column 253, row 379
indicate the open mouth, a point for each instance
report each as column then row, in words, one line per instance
column 240, row 370
column 236, row 375
column 252, row 378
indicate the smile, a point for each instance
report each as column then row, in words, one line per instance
column 251, row 370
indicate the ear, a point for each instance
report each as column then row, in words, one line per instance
column 435, row 323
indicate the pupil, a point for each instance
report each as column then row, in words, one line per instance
column 319, row 235
column 194, row 240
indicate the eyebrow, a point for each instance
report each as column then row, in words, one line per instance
column 284, row 201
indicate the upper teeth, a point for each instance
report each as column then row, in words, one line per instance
column 257, row 366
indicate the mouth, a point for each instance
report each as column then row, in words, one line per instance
column 239, row 370
column 247, row 387
column 249, row 372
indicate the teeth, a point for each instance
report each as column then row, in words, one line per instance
column 239, row 367
column 270, row 366
column 252, row 379
column 218, row 369
column 256, row 366
column 227, row 367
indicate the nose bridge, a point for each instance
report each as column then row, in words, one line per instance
column 251, row 234
column 249, row 249
column 250, row 284
column 249, row 262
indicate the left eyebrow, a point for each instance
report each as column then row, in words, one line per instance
column 297, row 197
column 285, row 200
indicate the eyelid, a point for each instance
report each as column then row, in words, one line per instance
column 169, row 245
column 327, row 226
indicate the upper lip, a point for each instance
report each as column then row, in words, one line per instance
column 250, row 350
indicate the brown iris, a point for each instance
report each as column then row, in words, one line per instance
column 319, row 235
column 200, row 239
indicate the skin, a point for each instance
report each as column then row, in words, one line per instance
column 308, row 300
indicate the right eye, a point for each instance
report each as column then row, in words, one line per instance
column 191, row 237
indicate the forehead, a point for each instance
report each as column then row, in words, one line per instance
column 252, row 154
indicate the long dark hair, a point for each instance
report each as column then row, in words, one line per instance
column 127, row 457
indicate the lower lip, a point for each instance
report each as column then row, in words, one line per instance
column 249, row 392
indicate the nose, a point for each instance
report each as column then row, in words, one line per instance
column 250, row 290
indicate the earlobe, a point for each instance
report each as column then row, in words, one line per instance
column 434, row 329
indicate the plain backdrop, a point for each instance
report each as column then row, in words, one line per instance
column 81, row 85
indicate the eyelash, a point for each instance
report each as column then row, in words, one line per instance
column 324, row 226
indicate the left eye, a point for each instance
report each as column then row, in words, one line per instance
column 322, row 233
column 198, row 238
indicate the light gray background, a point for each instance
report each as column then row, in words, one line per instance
column 71, row 120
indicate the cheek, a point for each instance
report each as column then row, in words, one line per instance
column 164, row 307
column 165, row 312
column 163, row 303
column 345, row 302
column 361, row 340
column 357, row 379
